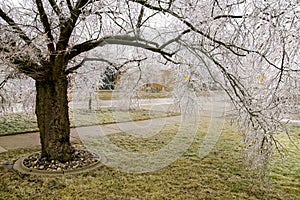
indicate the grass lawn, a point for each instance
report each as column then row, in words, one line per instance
column 26, row 122
column 108, row 94
column 220, row 175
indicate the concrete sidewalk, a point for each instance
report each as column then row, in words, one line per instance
column 216, row 107
column 30, row 140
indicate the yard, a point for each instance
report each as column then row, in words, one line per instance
column 220, row 175
column 26, row 122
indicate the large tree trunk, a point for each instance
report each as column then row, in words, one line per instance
column 53, row 119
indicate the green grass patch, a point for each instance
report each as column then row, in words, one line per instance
column 105, row 94
column 286, row 164
column 220, row 175
column 112, row 94
column 26, row 122
column 17, row 123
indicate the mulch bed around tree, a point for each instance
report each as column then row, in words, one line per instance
column 81, row 158
column 34, row 164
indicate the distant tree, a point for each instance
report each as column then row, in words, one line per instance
column 109, row 79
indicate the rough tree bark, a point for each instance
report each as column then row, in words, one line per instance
column 53, row 117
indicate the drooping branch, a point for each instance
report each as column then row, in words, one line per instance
column 112, row 70
column 73, row 69
column 136, row 43
column 235, row 49
column 176, row 39
column 238, row 88
column 130, row 61
column 116, row 66
column 119, row 40
column 230, row 47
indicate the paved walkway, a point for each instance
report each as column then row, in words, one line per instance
column 30, row 140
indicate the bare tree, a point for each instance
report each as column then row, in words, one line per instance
column 250, row 48
column 47, row 40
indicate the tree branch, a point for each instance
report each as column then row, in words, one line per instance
column 120, row 40
column 14, row 26
column 73, row 69
column 282, row 66
column 139, row 22
column 130, row 61
column 190, row 25
column 175, row 39
column 231, row 47
column 69, row 5
column 5, row 81
column 228, row 16
column 46, row 24
column 67, row 27
column 56, row 8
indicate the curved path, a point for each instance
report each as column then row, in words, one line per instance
column 30, row 140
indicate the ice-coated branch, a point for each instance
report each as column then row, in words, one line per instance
column 46, row 24
column 14, row 26
column 125, row 40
